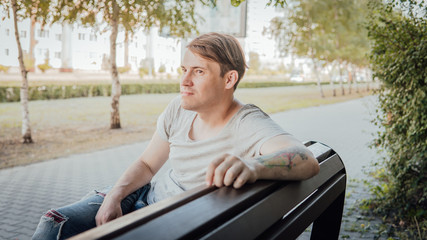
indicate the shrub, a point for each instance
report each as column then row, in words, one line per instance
column 125, row 69
column 45, row 92
column 4, row 69
column 29, row 62
column 143, row 71
column 162, row 68
column 45, row 66
column 398, row 58
column 179, row 71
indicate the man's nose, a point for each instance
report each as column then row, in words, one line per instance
column 186, row 79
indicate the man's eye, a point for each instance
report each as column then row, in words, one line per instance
column 199, row 71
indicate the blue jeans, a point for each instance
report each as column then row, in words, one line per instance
column 78, row 217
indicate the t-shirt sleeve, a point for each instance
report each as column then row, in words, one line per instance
column 255, row 128
column 165, row 119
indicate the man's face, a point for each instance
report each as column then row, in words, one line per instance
column 201, row 84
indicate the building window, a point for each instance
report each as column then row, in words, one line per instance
column 133, row 58
column 7, row 31
column 23, row 34
column 44, row 52
column 57, row 54
column 92, row 37
column 6, row 52
column 81, row 36
column 92, row 55
column 58, row 37
column 43, row 33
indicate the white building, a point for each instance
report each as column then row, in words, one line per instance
column 259, row 17
column 72, row 47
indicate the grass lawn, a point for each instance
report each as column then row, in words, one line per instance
column 64, row 127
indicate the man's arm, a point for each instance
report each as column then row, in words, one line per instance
column 282, row 158
column 285, row 158
column 138, row 174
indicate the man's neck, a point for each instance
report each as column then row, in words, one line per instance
column 210, row 122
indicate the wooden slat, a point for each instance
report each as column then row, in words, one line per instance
column 271, row 209
column 206, row 212
column 133, row 219
column 320, row 151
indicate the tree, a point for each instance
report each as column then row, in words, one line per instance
column 254, row 63
column 298, row 33
column 177, row 16
column 24, row 9
column 307, row 30
column 398, row 31
column 36, row 11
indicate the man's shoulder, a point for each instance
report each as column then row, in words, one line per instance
column 249, row 111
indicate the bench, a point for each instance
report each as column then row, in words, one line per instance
column 263, row 210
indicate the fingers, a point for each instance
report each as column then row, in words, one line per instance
column 222, row 173
column 104, row 219
column 228, row 170
column 232, row 173
column 211, row 170
column 99, row 220
column 105, row 215
column 242, row 179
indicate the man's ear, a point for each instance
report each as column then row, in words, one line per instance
column 231, row 78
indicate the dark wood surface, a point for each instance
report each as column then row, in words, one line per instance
column 264, row 210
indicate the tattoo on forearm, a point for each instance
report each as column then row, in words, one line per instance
column 285, row 158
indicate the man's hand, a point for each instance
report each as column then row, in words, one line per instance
column 230, row 170
column 109, row 210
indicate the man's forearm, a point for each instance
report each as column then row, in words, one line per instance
column 294, row 163
column 137, row 175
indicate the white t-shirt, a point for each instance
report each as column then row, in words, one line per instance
column 242, row 136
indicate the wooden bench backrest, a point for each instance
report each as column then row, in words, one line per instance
column 263, row 210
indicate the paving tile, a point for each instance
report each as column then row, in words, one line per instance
column 6, row 235
column 21, row 237
column 9, row 228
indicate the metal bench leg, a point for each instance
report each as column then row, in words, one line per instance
column 327, row 226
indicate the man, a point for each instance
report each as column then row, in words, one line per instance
column 207, row 135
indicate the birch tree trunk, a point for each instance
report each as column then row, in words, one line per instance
column 350, row 78
column 26, row 130
column 367, row 80
column 126, row 43
column 356, row 84
column 32, row 42
column 331, row 81
column 341, row 80
column 115, row 88
column 317, row 78
column 32, row 36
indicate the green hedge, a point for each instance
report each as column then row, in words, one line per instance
column 11, row 94
column 46, row 92
column 398, row 31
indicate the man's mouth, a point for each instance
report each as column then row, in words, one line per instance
column 186, row 93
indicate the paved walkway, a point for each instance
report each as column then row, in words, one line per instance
column 28, row 191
